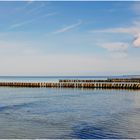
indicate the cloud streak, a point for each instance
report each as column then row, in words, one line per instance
column 24, row 7
column 20, row 24
column 67, row 28
column 129, row 30
column 36, row 8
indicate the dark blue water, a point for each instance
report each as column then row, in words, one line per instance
column 69, row 113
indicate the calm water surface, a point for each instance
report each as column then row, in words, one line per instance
column 46, row 78
column 69, row 113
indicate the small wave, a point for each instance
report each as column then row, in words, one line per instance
column 88, row 131
column 16, row 106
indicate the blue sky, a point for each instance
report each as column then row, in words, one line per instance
column 69, row 38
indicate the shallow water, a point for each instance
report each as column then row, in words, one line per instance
column 69, row 113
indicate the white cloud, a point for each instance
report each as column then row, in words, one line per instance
column 133, row 30
column 117, row 55
column 67, row 28
column 136, row 42
column 115, row 47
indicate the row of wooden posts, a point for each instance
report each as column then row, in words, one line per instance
column 106, row 80
column 73, row 85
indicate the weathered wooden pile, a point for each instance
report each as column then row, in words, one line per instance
column 113, row 84
column 107, row 80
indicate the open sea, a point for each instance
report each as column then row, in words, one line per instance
column 45, row 78
column 64, row 113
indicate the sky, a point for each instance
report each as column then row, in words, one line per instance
column 69, row 38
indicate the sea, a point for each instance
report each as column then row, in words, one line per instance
column 47, row 78
column 68, row 113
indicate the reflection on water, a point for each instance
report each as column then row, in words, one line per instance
column 69, row 113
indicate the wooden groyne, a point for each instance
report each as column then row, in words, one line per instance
column 106, row 80
column 102, row 85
